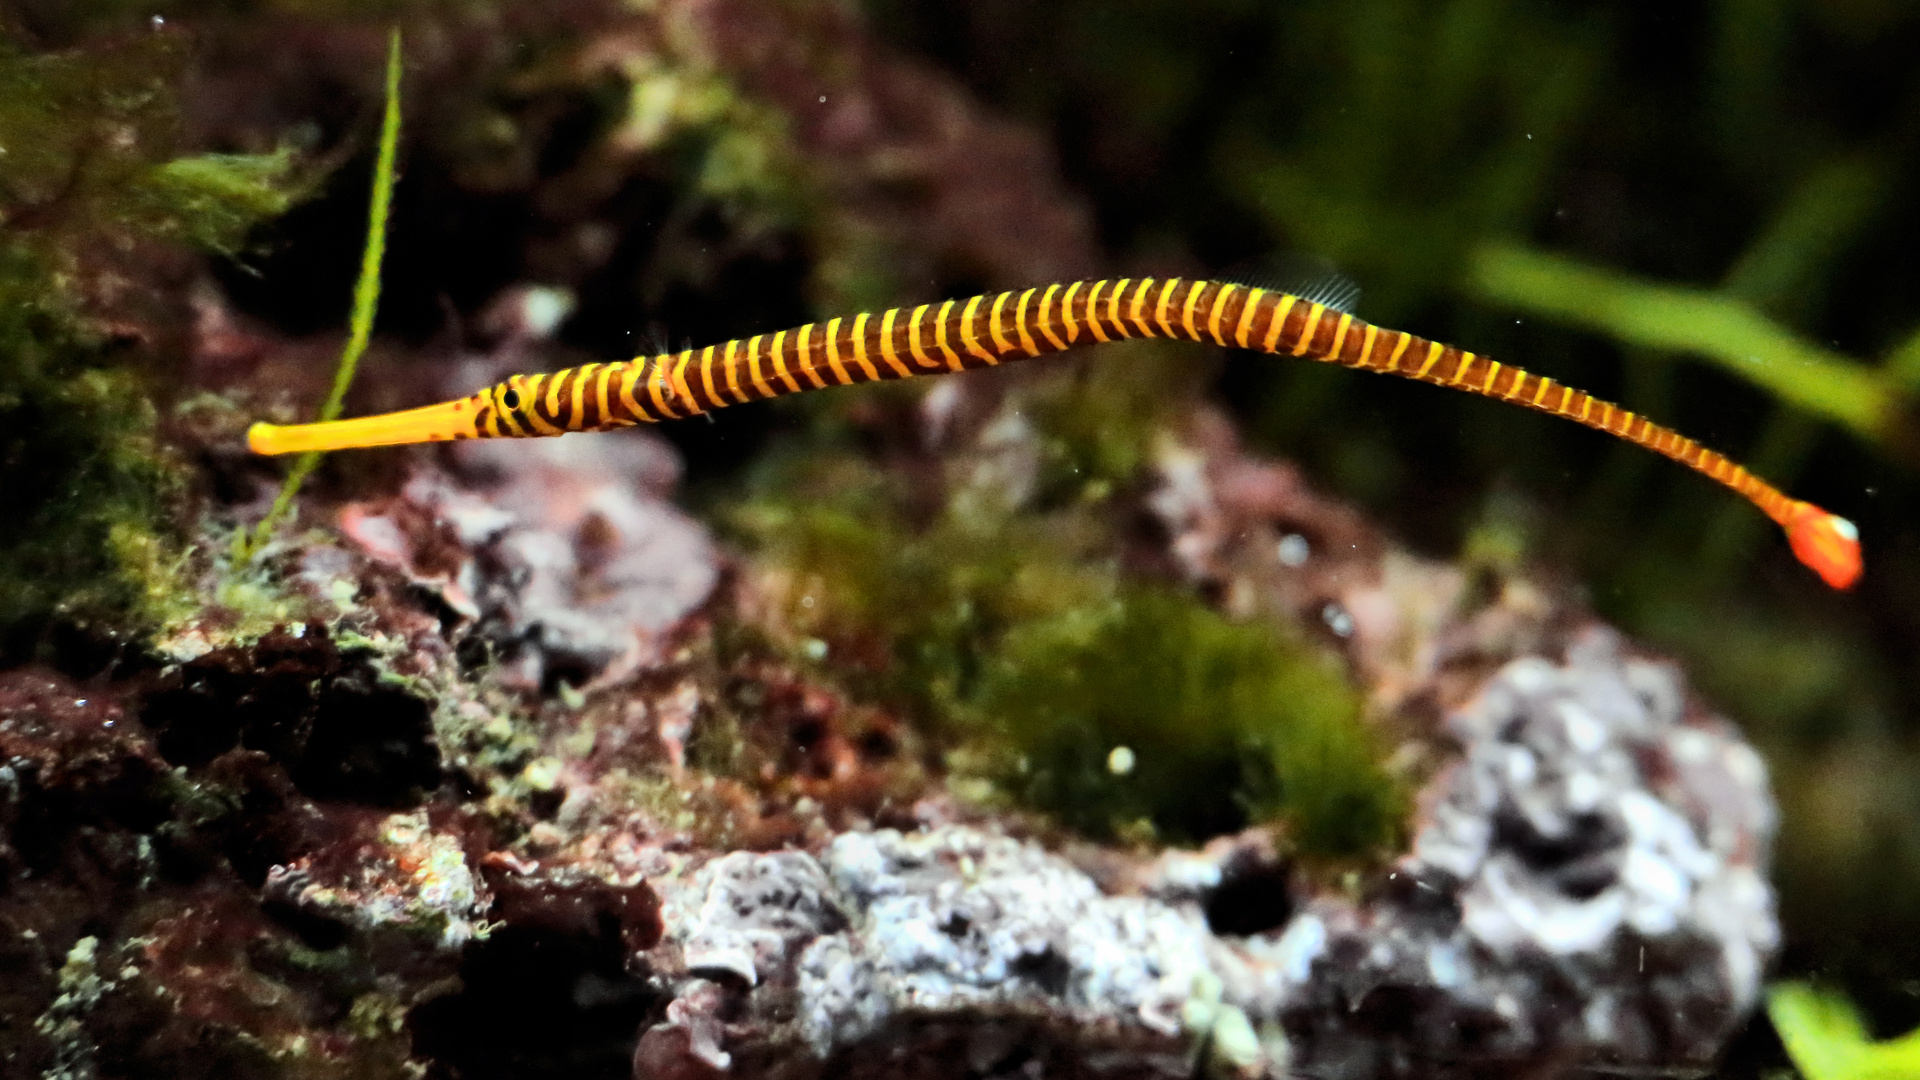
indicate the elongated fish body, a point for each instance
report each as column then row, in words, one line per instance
column 988, row 330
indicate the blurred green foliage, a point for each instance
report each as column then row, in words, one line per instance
column 87, row 174
column 1721, row 328
column 1827, row 1040
column 89, row 139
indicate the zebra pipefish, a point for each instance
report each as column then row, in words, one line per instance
column 988, row 330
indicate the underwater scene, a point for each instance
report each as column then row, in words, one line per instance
column 466, row 615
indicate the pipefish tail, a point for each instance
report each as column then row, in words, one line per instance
column 989, row 330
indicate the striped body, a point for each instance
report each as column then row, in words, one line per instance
column 986, row 331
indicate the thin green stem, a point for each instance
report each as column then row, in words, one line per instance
column 366, row 303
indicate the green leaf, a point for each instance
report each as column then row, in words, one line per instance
column 1713, row 326
column 1826, row 1039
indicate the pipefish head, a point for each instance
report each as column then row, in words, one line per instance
column 505, row 410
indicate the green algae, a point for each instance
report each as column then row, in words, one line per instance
column 87, row 532
column 728, row 147
column 1154, row 708
column 1001, row 619
column 90, row 140
column 88, row 175
column 906, row 613
column 214, row 201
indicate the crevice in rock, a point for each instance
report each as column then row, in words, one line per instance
column 1250, row 901
column 537, row 1004
column 341, row 733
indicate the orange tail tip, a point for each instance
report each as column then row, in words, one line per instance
column 429, row 423
column 1828, row 543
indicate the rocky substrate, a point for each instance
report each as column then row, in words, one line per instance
column 350, row 849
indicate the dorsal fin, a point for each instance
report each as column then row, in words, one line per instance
column 1309, row 277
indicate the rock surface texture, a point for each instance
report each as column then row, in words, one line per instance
column 1586, row 887
column 499, row 871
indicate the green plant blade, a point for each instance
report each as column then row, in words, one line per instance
column 1826, row 1039
column 1719, row 328
column 366, row 303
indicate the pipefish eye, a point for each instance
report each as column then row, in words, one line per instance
column 509, row 398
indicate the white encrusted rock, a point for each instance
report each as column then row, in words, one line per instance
column 1588, row 883
column 964, row 919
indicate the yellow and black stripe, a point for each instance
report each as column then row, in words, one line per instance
column 985, row 331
